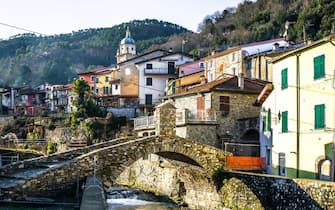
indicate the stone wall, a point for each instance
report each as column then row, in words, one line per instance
column 183, row 183
column 253, row 191
column 203, row 133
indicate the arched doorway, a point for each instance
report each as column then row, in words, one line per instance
column 324, row 169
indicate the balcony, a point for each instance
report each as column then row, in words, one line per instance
column 146, row 122
column 160, row 71
column 185, row 116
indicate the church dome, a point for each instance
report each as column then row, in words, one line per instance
column 127, row 39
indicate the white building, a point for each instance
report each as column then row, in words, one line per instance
column 298, row 115
column 154, row 74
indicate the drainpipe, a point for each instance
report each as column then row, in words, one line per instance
column 298, row 113
column 333, row 160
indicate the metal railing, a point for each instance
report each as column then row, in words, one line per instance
column 144, row 122
column 159, row 71
column 184, row 116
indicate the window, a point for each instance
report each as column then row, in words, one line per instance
column 149, row 66
column 106, row 79
column 233, row 57
column 127, row 71
column 319, row 67
column 224, row 104
column 116, row 87
column 97, row 90
column 148, row 99
column 249, row 64
column 149, row 81
column 284, row 84
column 96, row 80
column 319, row 113
column 284, row 122
column 105, row 90
column 92, row 78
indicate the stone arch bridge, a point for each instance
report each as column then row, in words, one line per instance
column 48, row 175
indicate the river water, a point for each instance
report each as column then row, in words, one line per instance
column 118, row 198
column 131, row 199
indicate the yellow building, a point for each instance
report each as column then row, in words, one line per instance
column 298, row 116
column 228, row 62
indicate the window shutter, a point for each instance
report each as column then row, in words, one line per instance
column 284, row 122
column 264, row 123
column 269, row 120
column 284, row 79
column 319, row 66
column 319, row 116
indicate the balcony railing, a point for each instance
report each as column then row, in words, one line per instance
column 159, row 71
column 184, row 116
column 145, row 122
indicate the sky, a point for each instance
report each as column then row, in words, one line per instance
column 50, row 17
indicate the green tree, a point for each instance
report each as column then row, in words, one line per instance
column 84, row 103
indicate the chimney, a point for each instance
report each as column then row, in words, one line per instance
column 203, row 80
column 275, row 46
column 240, row 80
column 309, row 41
column 181, row 73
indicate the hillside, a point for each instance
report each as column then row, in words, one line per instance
column 260, row 20
column 31, row 60
column 28, row 59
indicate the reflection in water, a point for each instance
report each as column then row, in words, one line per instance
column 133, row 199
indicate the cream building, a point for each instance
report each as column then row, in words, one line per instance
column 298, row 116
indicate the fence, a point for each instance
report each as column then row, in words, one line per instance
column 244, row 157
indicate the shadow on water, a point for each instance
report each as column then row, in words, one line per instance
column 274, row 192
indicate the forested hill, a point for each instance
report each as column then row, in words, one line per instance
column 29, row 59
column 261, row 20
column 57, row 59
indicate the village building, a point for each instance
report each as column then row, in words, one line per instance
column 297, row 113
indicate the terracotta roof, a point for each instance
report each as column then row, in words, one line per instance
column 227, row 84
column 93, row 71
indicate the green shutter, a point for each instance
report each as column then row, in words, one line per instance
column 284, row 79
column 284, row 122
column 269, row 120
column 264, row 123
column 319, row 116
column 319, row 67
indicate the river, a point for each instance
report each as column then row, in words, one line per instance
column 131, row 199
column 118, row 198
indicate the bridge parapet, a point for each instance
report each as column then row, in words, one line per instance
column 63, row 156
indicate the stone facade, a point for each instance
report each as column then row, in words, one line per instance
column 165, row 119
column 241, row 106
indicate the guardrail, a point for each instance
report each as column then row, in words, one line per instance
column 144, row 122
column 184, row 116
